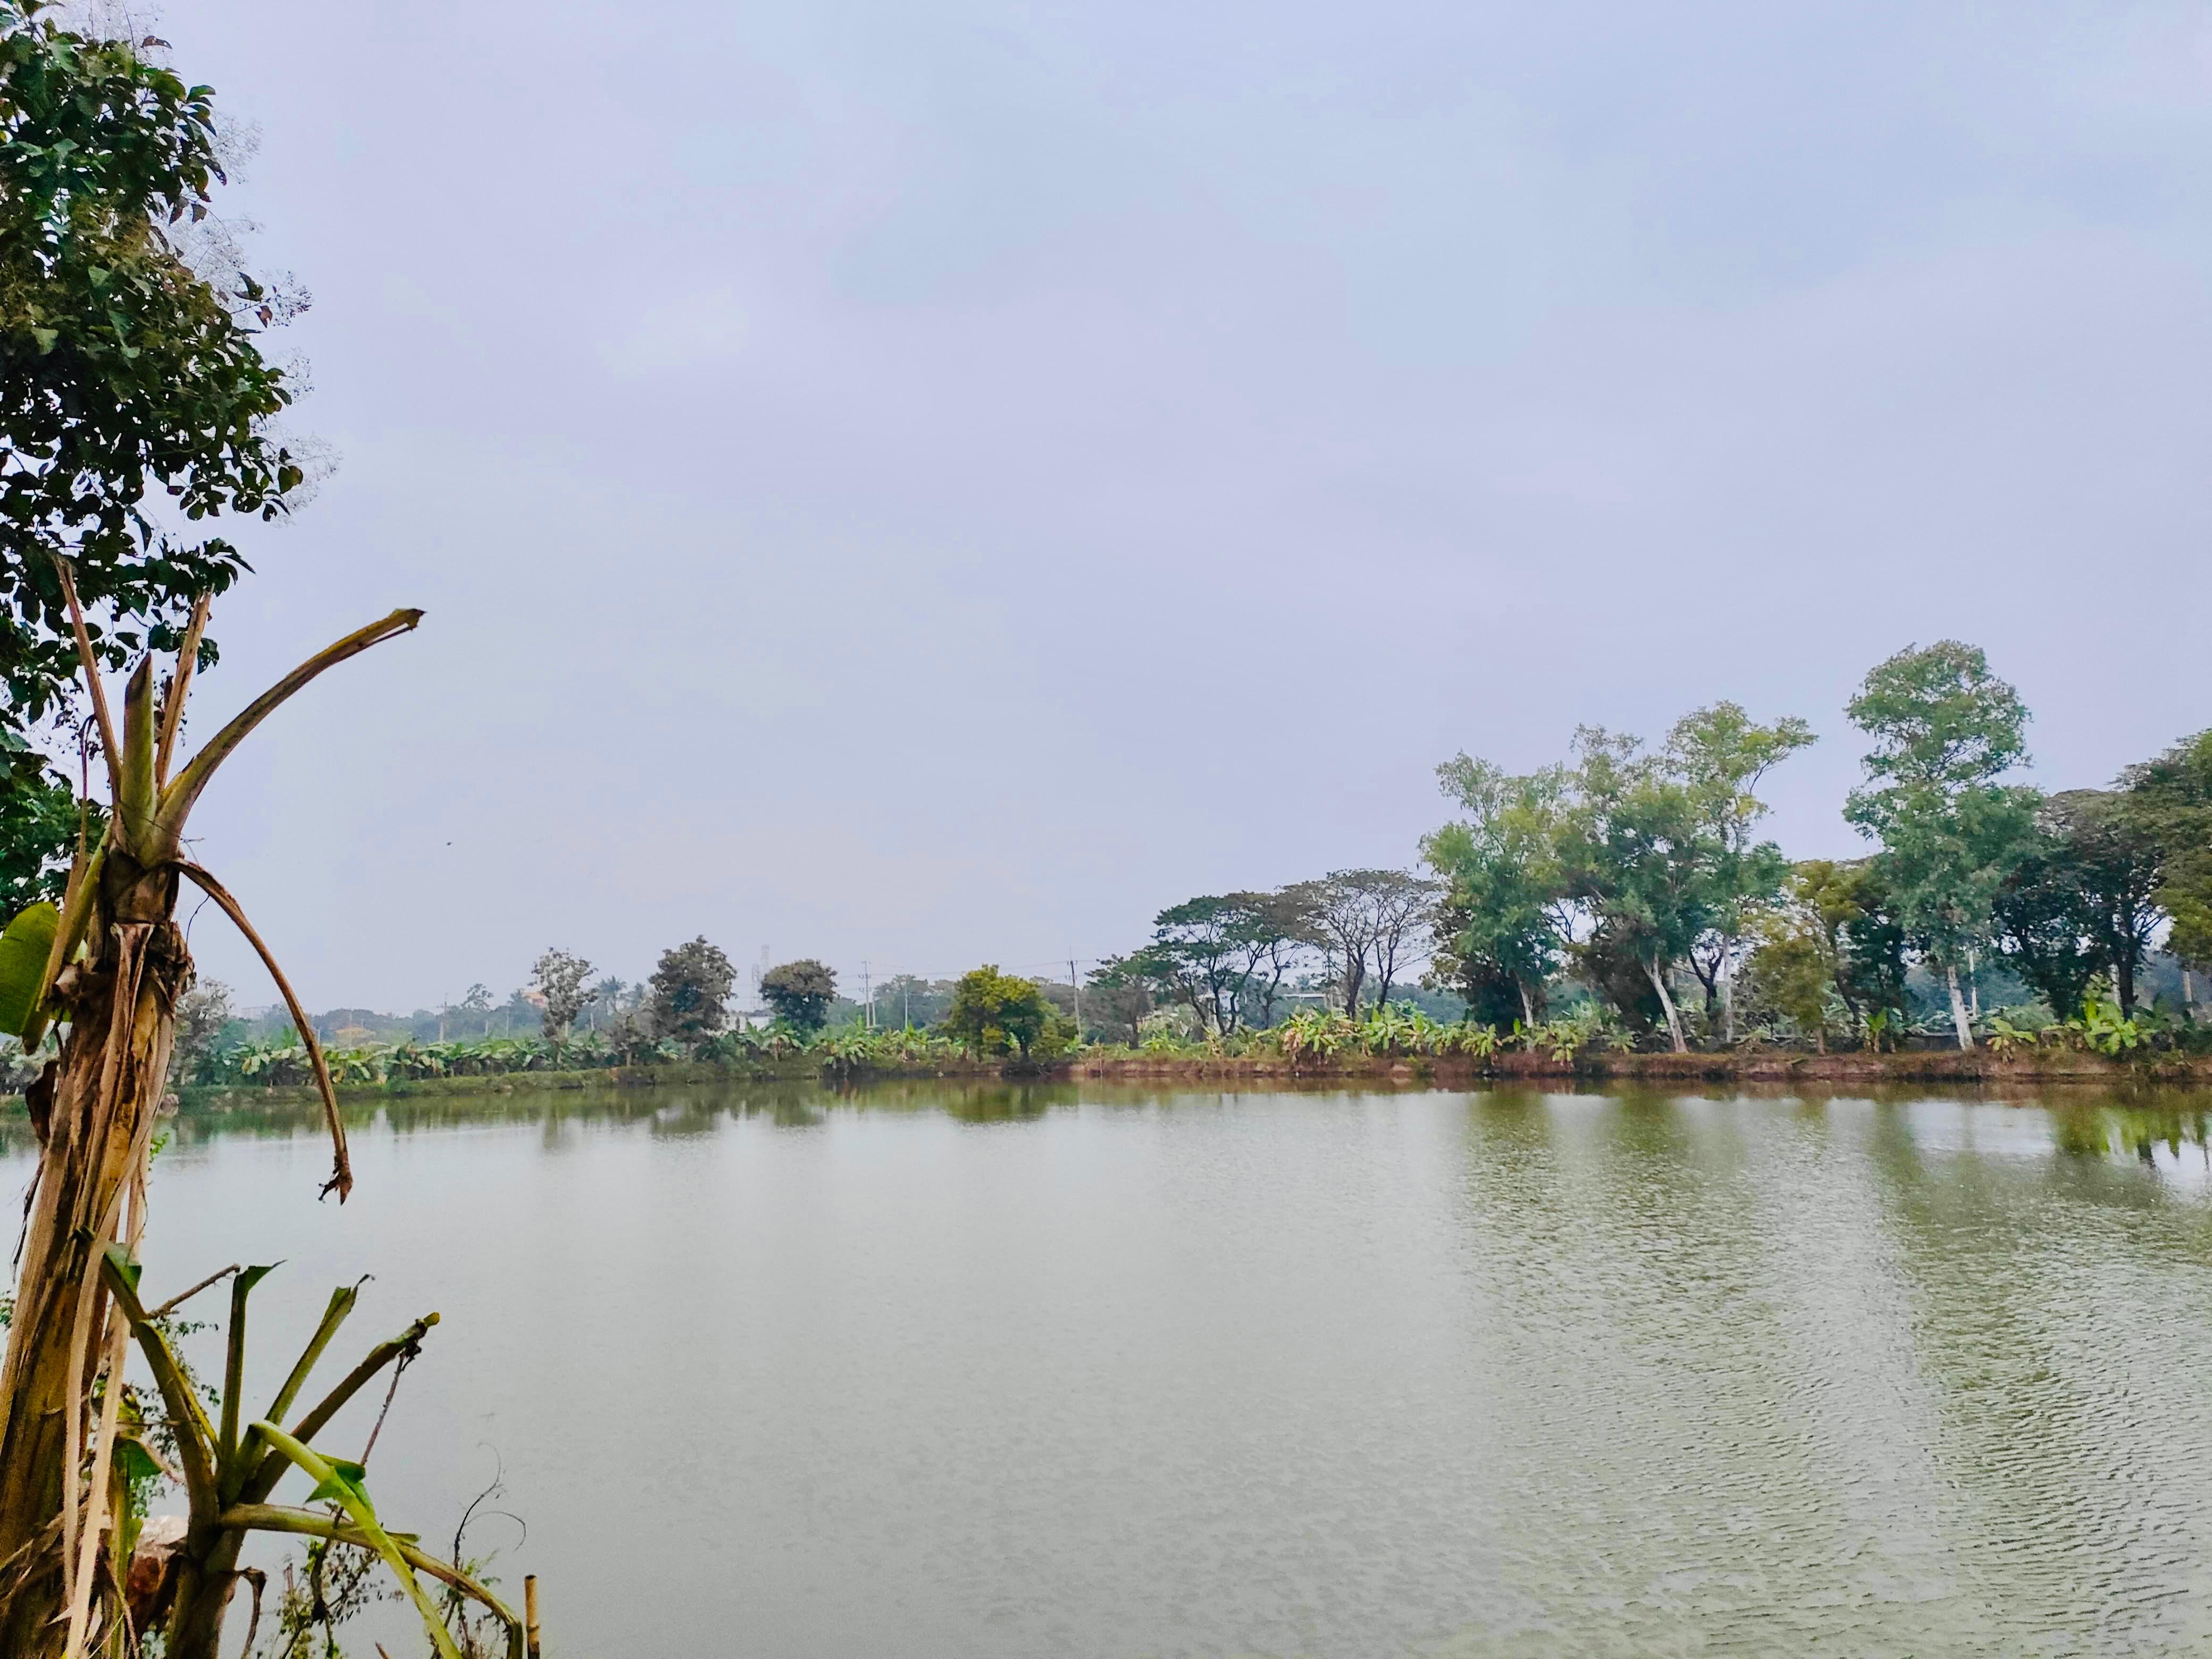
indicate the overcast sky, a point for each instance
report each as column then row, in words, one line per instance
column 927, row 482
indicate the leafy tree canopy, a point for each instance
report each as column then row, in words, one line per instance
column 38, row 828
column 2171, row 799
column 1369, row 921
column 800, row 993
column 690, row 993
column 1945, row 731
column 1637, row 855
column 1120, row 989
column 131, row 366
column 1501, row 918
column 993, row 1012
column 1940, row 720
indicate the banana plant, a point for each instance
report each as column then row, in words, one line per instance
column 230, row 1472
column 1314, row 1034
column 1476, row 1041
column 112, row 967
column 2102, row 1029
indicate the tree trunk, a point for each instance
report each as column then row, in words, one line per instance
column 1667, row 1002
column 206, row 1575
column 1727, row 1000
column 107, row 1087
column 1355, row 974
column 1528, row 1008
column 1958, row 1019
column 2123, row 984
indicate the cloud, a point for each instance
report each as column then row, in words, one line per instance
column 707, row 326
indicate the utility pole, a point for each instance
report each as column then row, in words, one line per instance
column 1074, row 985
column 906, row 1002
column 867, row 998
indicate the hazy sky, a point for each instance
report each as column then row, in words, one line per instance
column 932, row 482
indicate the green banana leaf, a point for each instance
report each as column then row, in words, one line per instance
column 23, row 951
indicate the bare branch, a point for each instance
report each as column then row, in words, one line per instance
column 183, row 1296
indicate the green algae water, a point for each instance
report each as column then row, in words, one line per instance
column 956, row 1372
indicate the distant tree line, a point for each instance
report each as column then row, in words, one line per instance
column 1624, row 881
column 1636, row 874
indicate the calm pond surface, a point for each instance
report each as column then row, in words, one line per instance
column 1077, row 1371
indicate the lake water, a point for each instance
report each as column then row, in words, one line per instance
column 1085, row 1371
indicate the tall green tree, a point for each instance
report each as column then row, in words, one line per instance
column 992, row 1012
column 1829, row 933
column 1639, row 855
column 1505, row 917
column 1119, row 993
column 1861, row 940
column 2082, row 900
column 2046, row 924
column 1369, row 923
column 2170, row 798
column 136, row 405
column 1278, row 935
column 688, row 997
column 1720, row 755
column 1202, row 950
column 1945, row 731
column 800, row 993
column 1227, row 955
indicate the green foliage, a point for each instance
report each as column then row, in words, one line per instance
column 1791, row 973
column 2170, row 799
column 129, row 365
column 1501, row 925
column 2080, row 901
column 1945, row 731
column 690, row 992
column 800, row 993
column 1624, row 864
column 1826, row 949
column 1721, row 755
column 2103, row 1029
column 1314, row 1034
column 1118, row 994
column 993, row 1012
column 38, row 822
column 1365, row 922
column 24, row 948
column 1224, row 955
column 1637, row 856
column 1590, row 1026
